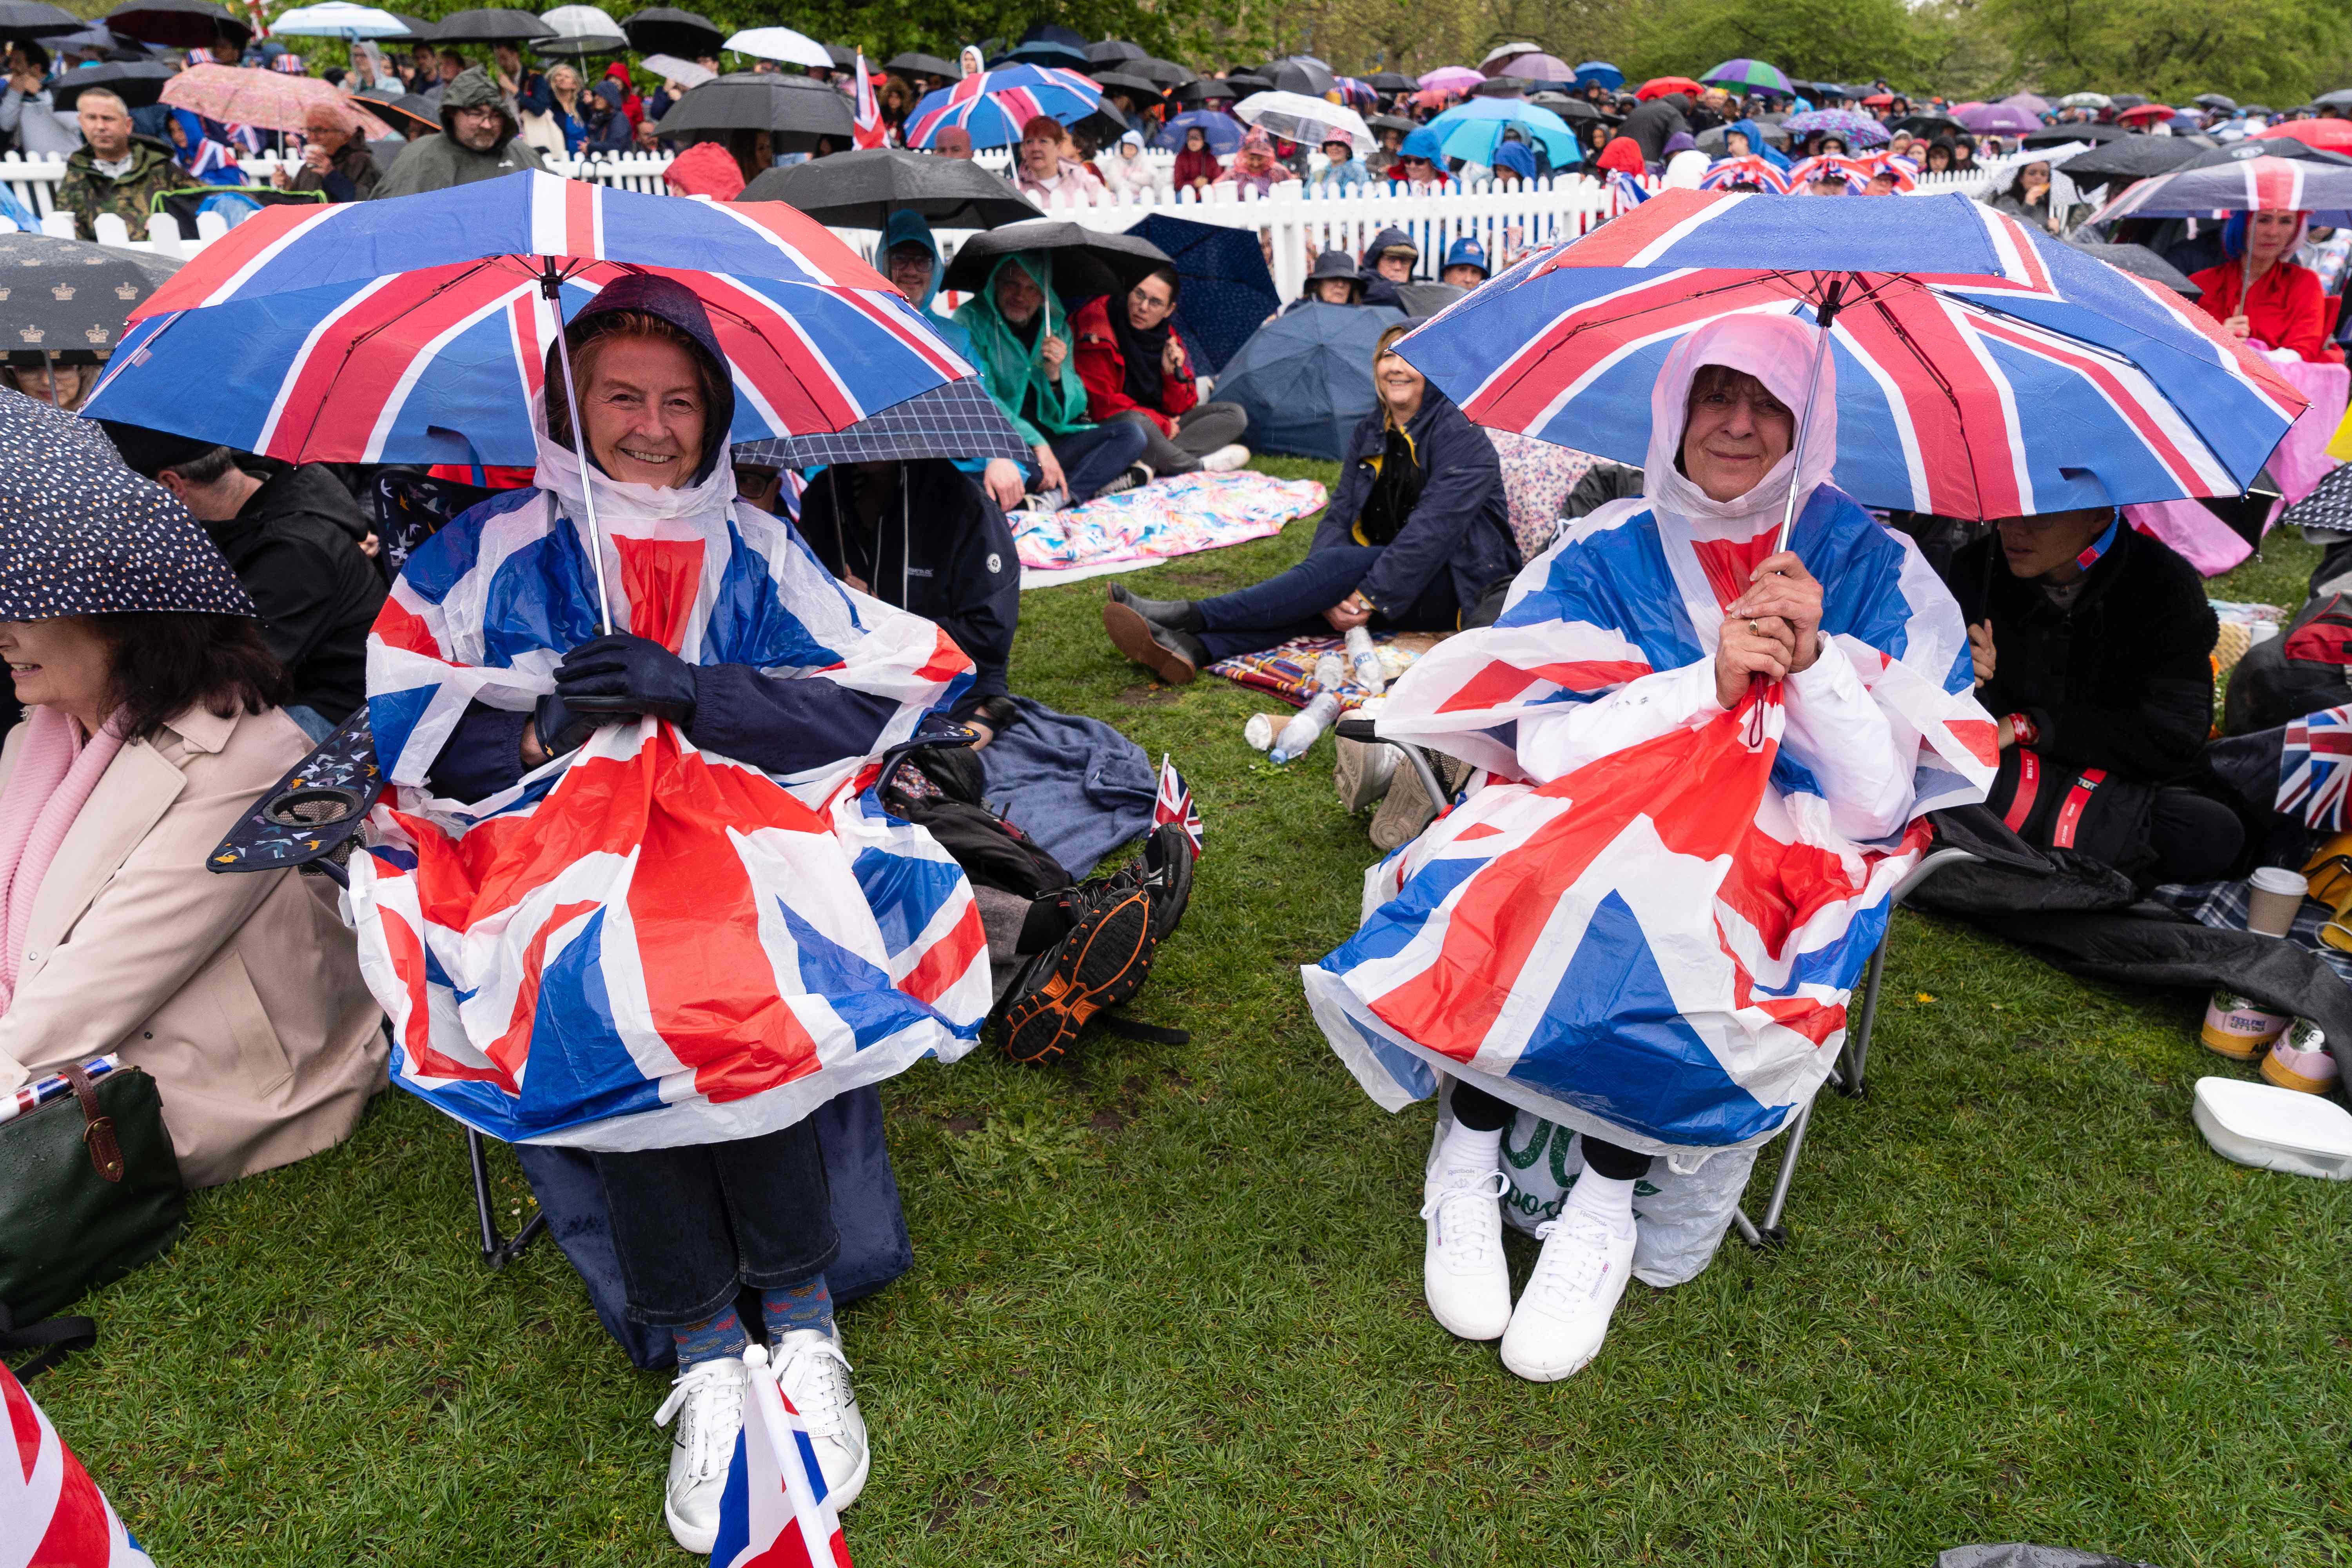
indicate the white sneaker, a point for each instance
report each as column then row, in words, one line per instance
column 1563, row 1314
column 1363, row 772
column 1225, row 459
column 708, row 1400
column 1463, row 1274
column 814, row 1375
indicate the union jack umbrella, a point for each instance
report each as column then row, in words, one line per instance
column 867, row 112
column 2257, row 184
column 994, row 105
column 414, row 331
column 1806, row 171
column 1745, row 170
column 2316, row 767
column 50, row 1510
column 1983, row 369
column 774, row 1513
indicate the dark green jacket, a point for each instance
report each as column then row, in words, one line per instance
column 86, row 193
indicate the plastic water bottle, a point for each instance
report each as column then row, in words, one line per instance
column 1303, row 732
column 1330, row 672
column 1366, row 661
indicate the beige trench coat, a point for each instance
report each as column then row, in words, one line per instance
column 240, row 995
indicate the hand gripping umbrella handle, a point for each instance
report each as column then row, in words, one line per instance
column 551, row 288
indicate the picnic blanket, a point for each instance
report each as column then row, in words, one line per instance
column 1287, row 670
column 1175, row 516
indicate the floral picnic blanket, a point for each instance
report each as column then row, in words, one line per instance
column 1174, row 516
column 1287, row 670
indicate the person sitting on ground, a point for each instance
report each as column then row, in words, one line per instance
column 113, row 172
column 1045, row 176
column 335, row 158
column 2259, row 295
column 1019, row 347
column 2092, row 644
column 151, row 728
column 1334, row 280
column 1466, row 264
column 478, row 140
column 1254, row 167
column 912, row 260
column 1196, row 167
column 299, row 547
column 1415, row 534
column 1389, row 262
column 923, row 537
column 1137, row 367
column 1342, row 171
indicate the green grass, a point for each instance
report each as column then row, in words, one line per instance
column 1166, row 1301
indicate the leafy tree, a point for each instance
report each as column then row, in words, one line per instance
column 1837, row 41
column 2174, row 49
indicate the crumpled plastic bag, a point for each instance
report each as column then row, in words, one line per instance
column 2019, row 1554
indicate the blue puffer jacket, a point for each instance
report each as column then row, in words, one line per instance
column 1459, row 527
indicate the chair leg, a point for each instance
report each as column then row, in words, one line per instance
column 496, row 1252
column 1857, row 1041
column 1772, row 1226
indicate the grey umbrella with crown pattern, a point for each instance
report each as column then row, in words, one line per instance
column 62, row 296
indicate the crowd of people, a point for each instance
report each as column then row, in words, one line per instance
column 851, row 613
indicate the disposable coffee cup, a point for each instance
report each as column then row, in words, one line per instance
column 2273, row 899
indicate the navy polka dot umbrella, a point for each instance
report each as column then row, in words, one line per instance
column 82, row 535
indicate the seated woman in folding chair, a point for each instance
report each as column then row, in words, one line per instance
column 1642, row 922
column 632, row 894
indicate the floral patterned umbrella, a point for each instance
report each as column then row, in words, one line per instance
column 270, row 99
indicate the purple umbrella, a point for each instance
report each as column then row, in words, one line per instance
column 1986, row 119
column 2028, row 103
column 1539, row 68
column 1856, row 129
column 1452, row 79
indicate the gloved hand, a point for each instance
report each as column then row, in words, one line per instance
column 621, row 673
column 561, row 730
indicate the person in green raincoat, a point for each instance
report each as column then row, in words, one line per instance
column 1021, row 347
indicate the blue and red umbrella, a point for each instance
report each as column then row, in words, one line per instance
column 415, row 330
column 994, row 105
column 1983, row 369
column 1748, row 169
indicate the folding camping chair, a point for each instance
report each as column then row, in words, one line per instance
column 1963, row 834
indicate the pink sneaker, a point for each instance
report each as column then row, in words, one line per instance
column 2300, row 1061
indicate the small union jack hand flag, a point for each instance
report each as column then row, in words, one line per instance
column 1175, row 804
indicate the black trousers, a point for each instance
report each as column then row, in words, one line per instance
column 2196, row 838
column 1482, row 1112
column 694, row 1225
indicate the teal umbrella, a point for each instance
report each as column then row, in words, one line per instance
column 1474, row 130
column 1754, row 75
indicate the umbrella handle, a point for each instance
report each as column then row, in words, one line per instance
column 551, row 288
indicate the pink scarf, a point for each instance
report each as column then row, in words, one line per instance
column 56, row 770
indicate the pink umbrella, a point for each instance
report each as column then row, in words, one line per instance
column 270, row 99
column 1539, row 68
column 1455, row 78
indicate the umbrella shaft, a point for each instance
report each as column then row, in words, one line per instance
column 1825, row 314
column 580, row 450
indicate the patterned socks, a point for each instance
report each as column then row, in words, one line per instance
column 709, row 1340
column 808, row 1306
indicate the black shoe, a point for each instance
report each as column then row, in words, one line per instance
column 1177, row 615
column 1103, row 962
column 1167, row 876
column 1174, row 657
column 1134, row 477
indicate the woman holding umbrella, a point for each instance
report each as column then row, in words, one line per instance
column 2261, row 296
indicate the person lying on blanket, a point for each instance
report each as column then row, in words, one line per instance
column 633, row 893
column 1415, row 534
column 1642, row 921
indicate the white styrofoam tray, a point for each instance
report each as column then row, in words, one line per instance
column 2275, row 1129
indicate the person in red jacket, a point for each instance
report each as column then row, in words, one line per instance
column 1137, row 368
column 2286, row 308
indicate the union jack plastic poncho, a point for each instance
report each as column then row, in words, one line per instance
column 1641, row 923
column 643, row 945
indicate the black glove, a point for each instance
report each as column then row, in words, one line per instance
column 560, row 729
column 620, row 673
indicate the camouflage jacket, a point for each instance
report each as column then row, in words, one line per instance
column 86, row 193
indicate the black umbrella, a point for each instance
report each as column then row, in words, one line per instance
column 490, row 27
column 1931, row 125
column 1243, row 83
column 844, row 57
column 1048, row 44
column 1167, row 73
column 1205, row 90
column 862, row 189
column 1133, row 85
column 2125, row 100
column 137, row 85
column 793, row 110
column 1106, row 124
column 667, row 30
column 2272, row 147
column 1390, row 81
column 2140, row 262
column 2214, row 100
column 86, row 536
column 923, row 65
column 1712, row 139
column 419, row 29
column 2258, row 109
column 33, row 19
column 1084, row 264
column 2129, row 158
column 2059, row 135
column 1391, row 123
column 411, row 106
column 1112, row 50
column 62, row 295
column 1295, row 75
column 2340, row 99
column 183, row 24
column 958, row 420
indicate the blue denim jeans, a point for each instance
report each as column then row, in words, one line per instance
column 1093, row 456
column 1291, row 604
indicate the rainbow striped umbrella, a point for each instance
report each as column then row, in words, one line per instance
column 1754, row 75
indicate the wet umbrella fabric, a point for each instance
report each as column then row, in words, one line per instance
column 994, row 105
column 86, row 536
column 1474, row 130
column 1309, row 121
column 1086, row 264
column 1299, row 76
column 1226, row 290
column 957, row 421
column 2140, row 262
column 34, row 19
column 272, row 100
column 1754, row 75
column 181, row 24
column 2019, row 377
column 62, row 295
column 490, row 26
column 668, row 30
column 793, row 110
column 2246, row 185
column 580, row 31
column 782, row 45
column 1859, row 130
column 412, row 330
column 861, row 189
column 1306, row 378
column 1222, row 131
column 137, row 84
column 914, row 65
column 1110, row 51
column 1206, row 89
column 2132, row 158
